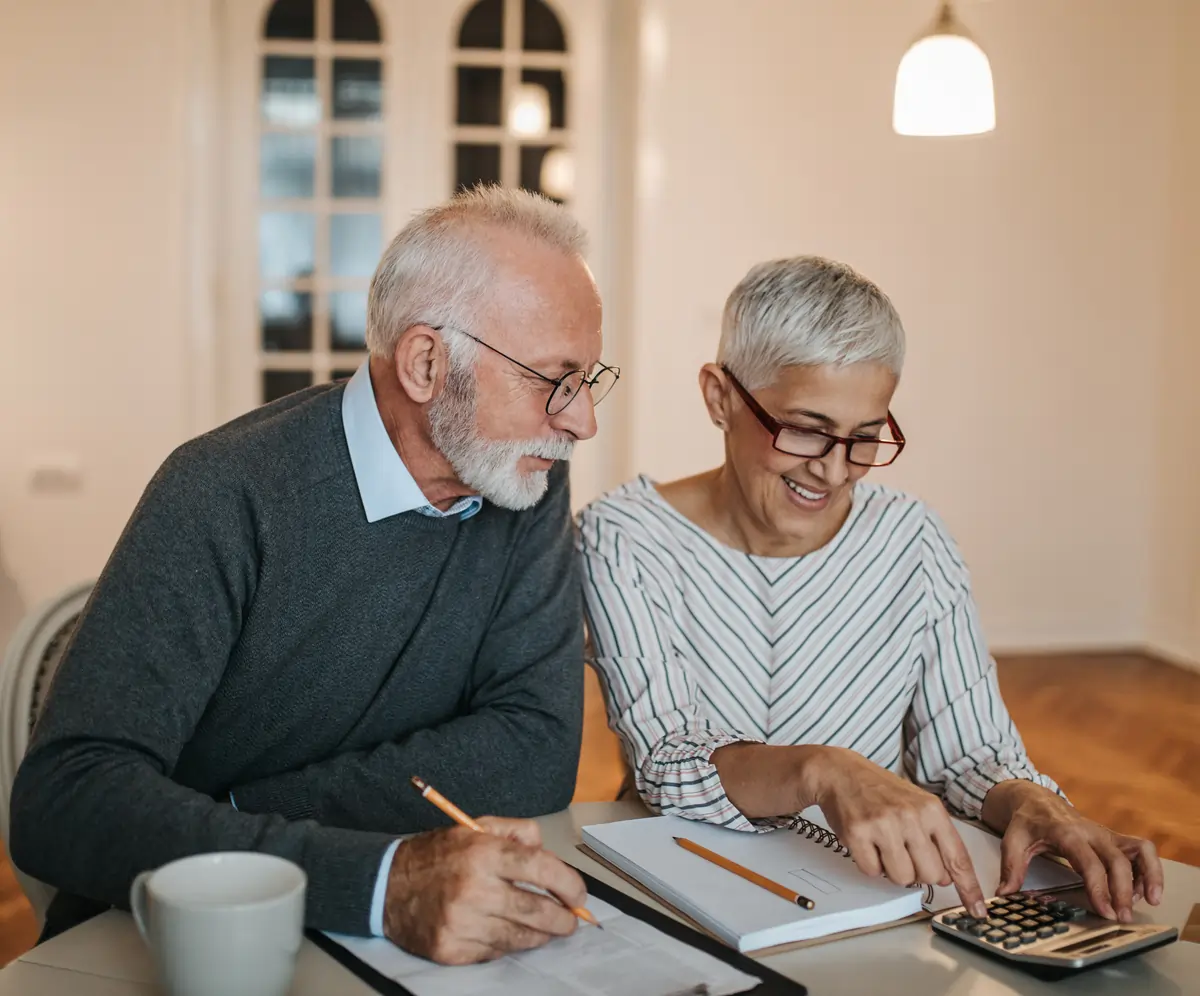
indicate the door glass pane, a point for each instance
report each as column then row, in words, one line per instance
column 278, row 384
column 291, row 19
column 483, row 27
column 552, row 80
column 478, row 95
column 475, row 164
column 531, row 166
column 289, row 91
column 286, row 163
column 357, row 164
column 286, row 320
column 357, row 89
column 354, row 244
column 348, row 319
column 543, row 31
column 286, row 244
column 354, row 21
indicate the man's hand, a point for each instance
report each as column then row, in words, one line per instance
column 891, row 826
column 451, row 895
column 1117, row 870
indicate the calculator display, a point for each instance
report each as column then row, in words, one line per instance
column 1089, row 942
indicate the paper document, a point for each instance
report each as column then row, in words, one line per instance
column 626, row 957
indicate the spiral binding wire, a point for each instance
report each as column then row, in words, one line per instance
column 818, row 834
column 827, row 838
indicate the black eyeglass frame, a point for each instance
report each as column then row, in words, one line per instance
column 584, row 379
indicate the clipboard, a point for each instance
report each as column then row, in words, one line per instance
column 920, row 917
column 772, row 984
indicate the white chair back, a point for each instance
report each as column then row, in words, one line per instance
column 32, row 658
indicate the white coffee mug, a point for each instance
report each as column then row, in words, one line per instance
column 222, row 924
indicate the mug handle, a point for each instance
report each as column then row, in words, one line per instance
column 137, row 903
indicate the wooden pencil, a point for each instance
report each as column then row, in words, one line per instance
column 750, row 876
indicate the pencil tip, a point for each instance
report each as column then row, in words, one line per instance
column 418, row 783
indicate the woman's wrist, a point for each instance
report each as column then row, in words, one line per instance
column 1004, row 799
column 764, row 780
column 812, row 774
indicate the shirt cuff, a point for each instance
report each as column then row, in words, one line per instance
column 682, row 779
column 376, row 920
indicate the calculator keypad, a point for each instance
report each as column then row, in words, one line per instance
column 1013, row 921
column 1048, row 936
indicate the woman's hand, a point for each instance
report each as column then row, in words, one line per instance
column 1117, row 870
column 891, row 826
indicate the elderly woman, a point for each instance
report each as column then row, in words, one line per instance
column 778, row 632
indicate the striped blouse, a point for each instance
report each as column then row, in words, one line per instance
column 871, row 642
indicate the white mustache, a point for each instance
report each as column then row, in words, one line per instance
column 558, row 448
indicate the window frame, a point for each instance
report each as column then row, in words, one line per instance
column 420, row 44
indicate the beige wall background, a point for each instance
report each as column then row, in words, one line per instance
column 1175, row 596
column 1043, row 273
column 94, row 273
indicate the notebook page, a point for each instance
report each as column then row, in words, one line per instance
column 742, row 914
column 627, row 956
column 984, row 849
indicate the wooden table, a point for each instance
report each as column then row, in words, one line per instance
column 106, row 957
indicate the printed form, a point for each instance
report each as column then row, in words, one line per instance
column 626, row 957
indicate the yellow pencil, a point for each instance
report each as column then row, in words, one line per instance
column 750, row 876
column 462, row 819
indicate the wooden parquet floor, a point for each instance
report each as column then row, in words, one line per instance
column 1119, row 732
column 1121, row 735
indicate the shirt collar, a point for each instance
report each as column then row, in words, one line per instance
column 384, row 484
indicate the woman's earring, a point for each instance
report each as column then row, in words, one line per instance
column 720, row 424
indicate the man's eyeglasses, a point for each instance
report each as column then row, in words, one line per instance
column 566, row 386
column 814, row 444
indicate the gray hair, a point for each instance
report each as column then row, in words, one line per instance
column 806, row 311
column 436, row 271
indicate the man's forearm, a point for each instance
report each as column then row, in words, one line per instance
column 87, row 817
column 499, row 762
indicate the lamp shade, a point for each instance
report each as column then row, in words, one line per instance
column 944, row 85
column 529, row 111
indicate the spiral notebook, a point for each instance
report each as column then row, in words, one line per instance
column 806, row 856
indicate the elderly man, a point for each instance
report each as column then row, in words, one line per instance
column 348, row 587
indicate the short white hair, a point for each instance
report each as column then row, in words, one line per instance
column 437, row 271
column 806, row 311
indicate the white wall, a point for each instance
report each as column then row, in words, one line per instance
column 93, row 273
column 1027, row 265
column 1175, row 601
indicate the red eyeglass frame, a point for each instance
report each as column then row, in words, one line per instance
column 776, row 428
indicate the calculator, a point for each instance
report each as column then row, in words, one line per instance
column 1048, row 936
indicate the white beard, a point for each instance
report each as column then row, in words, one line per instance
column 490, row 466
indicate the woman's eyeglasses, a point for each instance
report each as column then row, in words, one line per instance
column 566, row 386
column 862, row 451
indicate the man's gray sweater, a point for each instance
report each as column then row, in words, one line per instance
column 253, row 633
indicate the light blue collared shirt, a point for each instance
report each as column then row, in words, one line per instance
column 386, row 488
column 384, row 483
